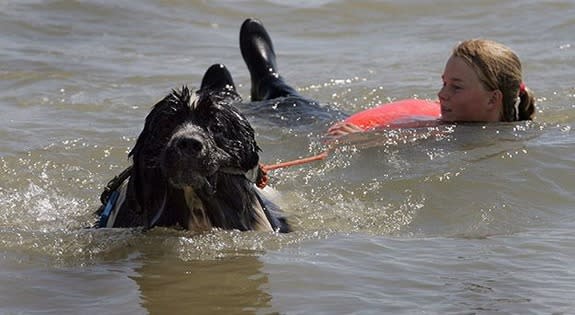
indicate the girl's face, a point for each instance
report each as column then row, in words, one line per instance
column 463, row 97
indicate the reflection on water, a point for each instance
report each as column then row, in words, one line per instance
column 227, row 285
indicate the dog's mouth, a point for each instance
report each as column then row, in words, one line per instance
column 195, row 181
column 192, row 183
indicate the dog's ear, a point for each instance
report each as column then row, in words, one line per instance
column 231, row 130
column 249, row 150
column 151, row 189
column 214, row 108
column 150, row 184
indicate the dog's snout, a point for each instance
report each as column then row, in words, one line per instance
column 189, row 158
column 189, row 145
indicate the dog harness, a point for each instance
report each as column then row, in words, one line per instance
column 112, row 198
column 114, row 193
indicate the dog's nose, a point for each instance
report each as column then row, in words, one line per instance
column 189, row 145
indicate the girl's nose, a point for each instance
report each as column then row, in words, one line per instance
column 442, row 95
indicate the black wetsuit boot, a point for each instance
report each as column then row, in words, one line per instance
column 258, row 53
column 218, row 77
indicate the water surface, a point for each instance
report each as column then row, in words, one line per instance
column 467, row 219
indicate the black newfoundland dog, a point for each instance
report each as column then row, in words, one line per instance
column 196, row 161
column 194, row 166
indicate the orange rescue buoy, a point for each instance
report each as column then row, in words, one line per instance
column 402, row 111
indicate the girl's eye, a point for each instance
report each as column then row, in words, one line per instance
column 455, row 86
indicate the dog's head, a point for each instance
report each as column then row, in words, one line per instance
column 189, row 141
column 193, row 136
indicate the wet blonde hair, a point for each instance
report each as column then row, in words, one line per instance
column 499, row 68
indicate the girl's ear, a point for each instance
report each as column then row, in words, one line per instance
column 496, row 100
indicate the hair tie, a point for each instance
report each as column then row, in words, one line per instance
column 522, row 88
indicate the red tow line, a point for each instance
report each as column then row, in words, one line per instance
column 263, row 180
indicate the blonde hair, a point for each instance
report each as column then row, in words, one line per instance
column 499, row 68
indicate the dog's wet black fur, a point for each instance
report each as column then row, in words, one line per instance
column 191, row 164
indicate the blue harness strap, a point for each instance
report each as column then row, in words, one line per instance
column 108, row 208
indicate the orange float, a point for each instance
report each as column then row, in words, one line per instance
column 398, row 112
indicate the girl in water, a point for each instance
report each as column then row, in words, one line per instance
column 482, row 82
